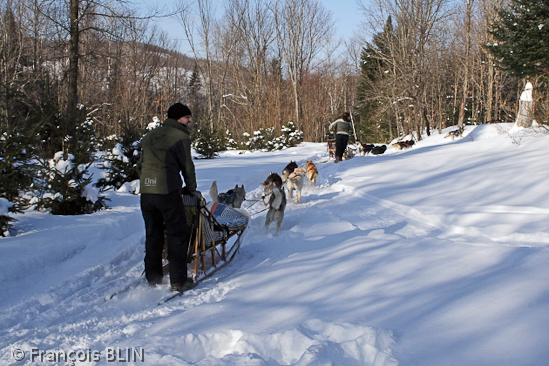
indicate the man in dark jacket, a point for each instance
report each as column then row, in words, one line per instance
column 166, row 151
column 342, row 128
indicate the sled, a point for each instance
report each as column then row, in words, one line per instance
column 330, row 144
column 216, row 232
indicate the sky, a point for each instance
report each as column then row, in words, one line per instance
column 435, row 256
column 346, row 15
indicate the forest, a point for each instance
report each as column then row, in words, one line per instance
column 80, row 76
column 415, row 65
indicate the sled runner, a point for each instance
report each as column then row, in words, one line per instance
column 216, row 234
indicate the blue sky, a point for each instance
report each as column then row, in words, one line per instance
column 346, row 15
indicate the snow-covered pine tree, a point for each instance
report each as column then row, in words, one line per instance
column 522, row 38
column 230, row 142
column 291, row 135
column 82, row 145
column 66, row 187
column 16, row 174
column 208, row 143
column 5, row 220
column 261, row 139
column 121, row 162
column 16, row 166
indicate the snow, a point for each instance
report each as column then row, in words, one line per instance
column 526, row 95
column 435, row 255
column 5, row 205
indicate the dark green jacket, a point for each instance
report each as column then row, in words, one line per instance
column 166, row 151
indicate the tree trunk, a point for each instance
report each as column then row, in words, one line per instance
column 72, row 74
column 467, row 52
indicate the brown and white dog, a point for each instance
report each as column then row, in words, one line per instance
column 275, row 198
column 312, row 173
column 402, row 145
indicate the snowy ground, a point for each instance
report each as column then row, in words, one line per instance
column 436, row 255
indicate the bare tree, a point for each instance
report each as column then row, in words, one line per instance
column 198, row 22
column 466, row 61
column 407, row 52
column 302, row 27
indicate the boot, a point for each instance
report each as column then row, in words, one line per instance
column 183, row 286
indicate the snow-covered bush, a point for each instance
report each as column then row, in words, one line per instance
column 267, row 139
column 83, row 144
column 154, row 124
column 121, row 162
column 5, row 220
column 261, row 139
column 290, row 135
column 65, row 187
column 230, row 143
column 17, row 172
column 208, row 143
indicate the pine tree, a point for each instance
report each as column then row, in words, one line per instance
column 208, row 143
column 121, row 163
column 522, row 38
column 230, row 143
column 16, row 167
column 373, row 67
column 262, row 139
column 82, row 143
column 5, row 220
column 290, row 136
column 66, row 187
column 17, row 173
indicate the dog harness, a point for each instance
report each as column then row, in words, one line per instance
column 227, row 198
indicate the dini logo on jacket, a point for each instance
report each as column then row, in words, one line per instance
column 149, row 182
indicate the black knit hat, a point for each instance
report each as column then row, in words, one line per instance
column 178, row 110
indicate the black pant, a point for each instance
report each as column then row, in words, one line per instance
column 341, row 144
column 165, row 211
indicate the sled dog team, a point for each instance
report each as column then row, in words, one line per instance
column 293, row 176
column 274, row 194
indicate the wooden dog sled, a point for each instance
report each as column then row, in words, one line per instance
column 216, row 232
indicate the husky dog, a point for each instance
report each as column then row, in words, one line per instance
column 288, row 170
column 275, row 198
column 295, row 183
column 378, row 150
column 365, row 149
column 312, row 173
column 402, row 145
column 233, row 198
column 456, row 133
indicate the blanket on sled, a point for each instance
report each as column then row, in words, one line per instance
column 229, row 218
